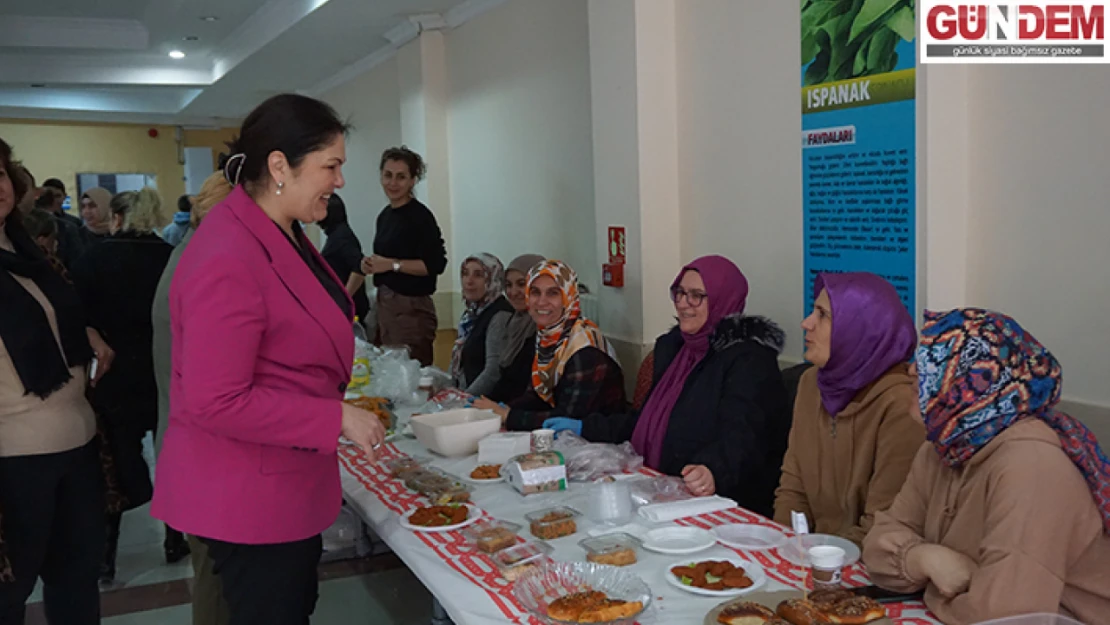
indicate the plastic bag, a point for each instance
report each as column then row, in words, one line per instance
column 661, row 489
column 393, row 375
column 588, row 461
column 440, row 378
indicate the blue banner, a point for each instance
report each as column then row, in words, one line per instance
column 858, row 141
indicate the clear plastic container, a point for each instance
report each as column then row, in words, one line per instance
column 551, row 523
column 440, row 489
column 515, row 562
column 1033, row 619
column 403, row 465
column 491, row 535
column 618, row 549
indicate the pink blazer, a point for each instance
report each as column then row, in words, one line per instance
column 261, row 359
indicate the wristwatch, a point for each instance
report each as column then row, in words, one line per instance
column 397, row 266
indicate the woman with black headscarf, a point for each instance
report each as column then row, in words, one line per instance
column 343, row 253
column 51, row 488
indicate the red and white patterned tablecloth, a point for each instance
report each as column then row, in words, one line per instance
column 469, row 586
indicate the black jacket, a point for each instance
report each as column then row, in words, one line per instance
column 732, row 415
column 516, row 379
column 474, row 349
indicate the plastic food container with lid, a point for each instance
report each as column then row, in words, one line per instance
column 517, row 561
column 617, row 549
column 551, row 523
column 490, row 535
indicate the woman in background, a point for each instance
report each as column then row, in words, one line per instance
column 97, row 214
column 344, row 254
column 262, row 354
column 717, row 413
column 209, row 605
column 854, row 434
column 116, row 281
column 408, row 256
column 575, row 371
column 1006, row 510
column 51, row 486
column 476, row 357
column 520, row 333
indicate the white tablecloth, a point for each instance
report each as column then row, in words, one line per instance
column 468, row 585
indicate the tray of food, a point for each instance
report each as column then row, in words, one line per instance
column 485, row 474
column 788, row 607
column 582, row 592
column 716, row 578
column 617, row 549
column 491, row 535
column 440, row 518
column 552, row 523
column 380, row 406
column 519, row 560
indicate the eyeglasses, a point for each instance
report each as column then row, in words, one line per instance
column 694, row 298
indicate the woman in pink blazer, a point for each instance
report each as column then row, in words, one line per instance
column 262, row 349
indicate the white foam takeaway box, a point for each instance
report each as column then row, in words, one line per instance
column 500, row 447
column 455, row 432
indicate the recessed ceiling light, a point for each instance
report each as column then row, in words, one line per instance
column 177, row 54
column 190, row 38
column 208, row 18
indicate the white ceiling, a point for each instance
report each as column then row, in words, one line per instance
column 108, row 60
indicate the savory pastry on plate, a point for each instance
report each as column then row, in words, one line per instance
column 439, row 516
column 713, row 575
column 855, row 611
column 591, row 606
column 827, row 597
column 837, row 606
column 486, row 472
column 745, row 613
column 616, row 557
column 801, row 612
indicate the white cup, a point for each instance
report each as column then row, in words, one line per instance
column 826, row 561
column 543, row 440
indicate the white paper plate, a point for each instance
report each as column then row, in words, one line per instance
column 754, row 571
column 789, row 550
column 678, row 540
column 748, row 536
column 470, row 466
column 474, row 515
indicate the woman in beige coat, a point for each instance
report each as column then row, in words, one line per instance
column 854, row 433
column 1006, row 510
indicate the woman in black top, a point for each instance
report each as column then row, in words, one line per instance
column 408, row 256
column 343, row 252
column 116, row 281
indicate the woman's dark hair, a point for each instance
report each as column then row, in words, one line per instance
column 292, row 124
column 337, row 213
column 39, row 223
column 184, row 204
column 14, row 169
column 417, row 168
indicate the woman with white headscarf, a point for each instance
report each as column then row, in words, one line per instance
column 476, row 357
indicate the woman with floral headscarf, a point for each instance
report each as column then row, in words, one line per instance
column 855, row 433
column 1006, row 510
column 575, row 371
column 717, row 410
column 476, row 357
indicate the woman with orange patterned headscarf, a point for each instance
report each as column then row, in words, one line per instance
column 575, row 372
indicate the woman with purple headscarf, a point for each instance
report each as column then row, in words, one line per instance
column 717, row 413
column 855, row 433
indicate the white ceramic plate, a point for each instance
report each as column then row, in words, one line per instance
column 748, row 536
column 678, row 540
column 474, row 515
column 754, row 571
column 789, row 549
column 470, row 466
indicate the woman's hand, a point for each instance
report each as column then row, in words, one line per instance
column 949, row 570
column 699, row 479
column 103, row 353
column 376, row 264
column 485, row 403
column 364, row 429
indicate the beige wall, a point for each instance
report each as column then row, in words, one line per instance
column 216, row 139
column 63, row 150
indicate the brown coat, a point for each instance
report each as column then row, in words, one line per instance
column 841, row 473
column 1021, row 510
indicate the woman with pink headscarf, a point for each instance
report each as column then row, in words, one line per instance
column 717, row 411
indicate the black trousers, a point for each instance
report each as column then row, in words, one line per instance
column 53, row 524
column 268, row 584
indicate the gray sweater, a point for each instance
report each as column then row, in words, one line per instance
column 491, row 373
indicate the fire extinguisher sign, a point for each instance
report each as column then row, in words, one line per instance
column 617, row 245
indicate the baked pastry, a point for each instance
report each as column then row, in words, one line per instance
column 855, row 611
column 496, row 539
column 554, row 525
column 610, row 610
column 745, row 613
column 827, row 597
column 801, row 612
column 439, row 516
column 570, row 607
column 486, row 472
column 617, row 557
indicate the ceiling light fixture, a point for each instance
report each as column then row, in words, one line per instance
column 177, row 54
column 190, row 38
column 209, row 18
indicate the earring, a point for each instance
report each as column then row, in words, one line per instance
column 280, row 185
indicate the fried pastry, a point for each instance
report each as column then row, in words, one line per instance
column 745, row 613
column 855, row 611
column 801, row 612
